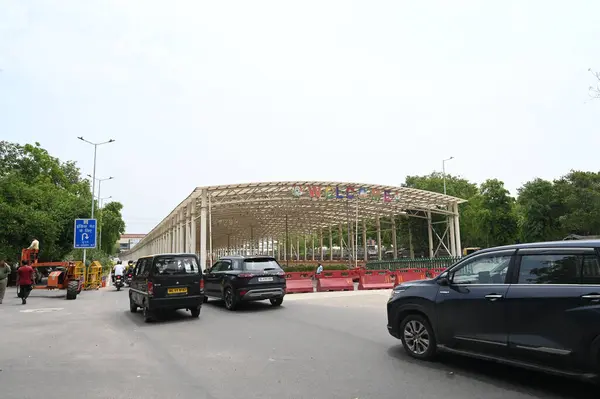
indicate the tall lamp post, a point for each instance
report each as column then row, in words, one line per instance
column 101, row 201
column 444, row 172
column 93, row 177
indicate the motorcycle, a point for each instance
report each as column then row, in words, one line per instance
column 119, row 282
column 128, row 279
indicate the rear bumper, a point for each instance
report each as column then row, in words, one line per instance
column 261, row 293
column 187, row 302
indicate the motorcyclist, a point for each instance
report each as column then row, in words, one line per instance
column 118, row 270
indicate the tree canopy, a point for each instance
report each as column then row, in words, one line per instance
column 40, row 197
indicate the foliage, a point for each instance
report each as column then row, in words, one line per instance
column 538, row 209
column 40, row 196
column 311, row 268
column 497, row 214
column 112, row 226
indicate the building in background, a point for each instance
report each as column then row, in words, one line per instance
column 128, row 241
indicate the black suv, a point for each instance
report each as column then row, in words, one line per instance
column 245, row 278
column 166, row 282
column 531, row 305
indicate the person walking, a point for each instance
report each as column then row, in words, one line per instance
column 4, row 273
column 25, row 281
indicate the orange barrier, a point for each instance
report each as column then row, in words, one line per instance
column 436, row 271
column 356, row 273
column 335, row 280
column 377, row 280
column 298, row 282
column 410, row 275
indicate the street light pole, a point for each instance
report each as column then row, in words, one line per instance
column 93, row 178
column 444, row 172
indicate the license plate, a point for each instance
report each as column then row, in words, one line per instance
column 263, row 279
column 177, row 290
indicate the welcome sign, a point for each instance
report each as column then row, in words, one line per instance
column 345, row 192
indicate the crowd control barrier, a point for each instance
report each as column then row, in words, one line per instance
column 377, row 280
column 299, row 282
column 335, row 280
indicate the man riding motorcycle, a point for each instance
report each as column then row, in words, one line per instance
column 118, row 270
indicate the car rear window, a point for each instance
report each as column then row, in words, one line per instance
column 175, row 265
column 261, row 264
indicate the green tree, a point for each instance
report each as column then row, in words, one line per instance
column 498, row 215
column 539, row 209
column 579, row 196
column 112, row 226
column 40, row 197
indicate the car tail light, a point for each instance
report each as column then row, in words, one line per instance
column 201, row 283
column 150, row 288
column 246, row 275
column 242, row 293
column 281, row 274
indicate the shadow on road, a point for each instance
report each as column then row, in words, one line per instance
column 244, row 307
column 165, row 317
column 506, row 377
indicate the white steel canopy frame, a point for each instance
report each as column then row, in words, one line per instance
column 261, row 215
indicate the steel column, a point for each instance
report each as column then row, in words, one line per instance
column 430, row 234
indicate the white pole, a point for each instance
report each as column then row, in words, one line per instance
column 210, row 237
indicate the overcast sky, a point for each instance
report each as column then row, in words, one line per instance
column 219, row 92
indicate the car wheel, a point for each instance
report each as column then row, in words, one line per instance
column 276, row 301
column 132, row 306
column 147, row 314
column 417, row 337
column 230, row 301
column 196, row 311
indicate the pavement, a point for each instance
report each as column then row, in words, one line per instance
column 321, row 345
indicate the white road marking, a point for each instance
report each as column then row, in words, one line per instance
column 42, row 310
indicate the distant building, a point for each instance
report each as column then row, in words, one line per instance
column 128, row 241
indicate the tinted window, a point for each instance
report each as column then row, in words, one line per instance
column 484, row 270
column 175, row 265
column 260, row 264
column 141, row 267
column 549, row 269
column 591, row 270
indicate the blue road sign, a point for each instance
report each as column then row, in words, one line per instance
column 85, row 233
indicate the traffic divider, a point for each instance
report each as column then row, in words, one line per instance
column 297, row 282
column 377, row 280
column 411, row 275
column 335, row 280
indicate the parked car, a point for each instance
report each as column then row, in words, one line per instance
column 236, row 279
column 531, row 305
column 166, row 282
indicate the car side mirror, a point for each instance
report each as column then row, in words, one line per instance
column 443, row 281
column 207, row 270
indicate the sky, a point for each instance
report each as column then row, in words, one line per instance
column 198, row 93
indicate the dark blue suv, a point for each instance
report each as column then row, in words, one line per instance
column 530, row 305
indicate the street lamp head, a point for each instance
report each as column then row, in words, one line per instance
column 110, row 178
column 111, row 140
column 81, row 138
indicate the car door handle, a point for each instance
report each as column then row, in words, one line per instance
column 591, row 296
column 493, row 297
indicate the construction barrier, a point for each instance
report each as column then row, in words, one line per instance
column 411, row 275
column 94, row 276
column 377, row 280
column 436, row 271
column 356, row 273
column 299, row 282
column 335, row 280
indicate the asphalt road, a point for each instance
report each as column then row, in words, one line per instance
column 315, row 346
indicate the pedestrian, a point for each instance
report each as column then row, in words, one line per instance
column 35, row 249
column 4, row 273
column 25, row 281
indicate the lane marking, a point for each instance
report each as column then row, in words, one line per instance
column 42, row 310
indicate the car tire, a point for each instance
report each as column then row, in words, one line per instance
column 147, row 314
column 229, row 298
column 132, row 306
column 418, row 338
column 276, row 301
column 196, row 311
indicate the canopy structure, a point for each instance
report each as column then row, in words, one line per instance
column 260, row 218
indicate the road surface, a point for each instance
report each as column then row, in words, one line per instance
column 315, row 346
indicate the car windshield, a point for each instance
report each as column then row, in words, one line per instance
column 169, row 265
column 262, row 264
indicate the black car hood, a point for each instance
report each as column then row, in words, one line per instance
column 427, row 281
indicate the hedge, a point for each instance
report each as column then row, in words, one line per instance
column 312, row 268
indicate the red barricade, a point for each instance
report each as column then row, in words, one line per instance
column 299, row 282
column 377, row 280
column 356, row 273
column 403, row 275
column 436, row 271
column 335, row 280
